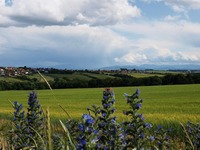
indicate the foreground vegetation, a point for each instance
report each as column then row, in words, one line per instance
column 99, row 128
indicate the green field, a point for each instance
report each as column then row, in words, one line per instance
column 177, row 103
column 145, row 75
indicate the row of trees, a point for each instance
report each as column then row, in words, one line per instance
column 119, row 80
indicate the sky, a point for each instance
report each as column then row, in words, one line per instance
column 91, row 34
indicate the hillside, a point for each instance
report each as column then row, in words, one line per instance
column 30, row 79
column 80, row 75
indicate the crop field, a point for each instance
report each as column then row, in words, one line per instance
column 162, row 104
column 145, row 75
column 86, row 76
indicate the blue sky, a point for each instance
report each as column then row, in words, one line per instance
column 90, row 34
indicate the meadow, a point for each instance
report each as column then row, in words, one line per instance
column 162, row 104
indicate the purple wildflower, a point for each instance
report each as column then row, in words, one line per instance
column 88, row 118
column 138, row 105
column 152, row 138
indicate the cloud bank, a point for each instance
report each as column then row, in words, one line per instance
column 66, row 12
column 93, row 34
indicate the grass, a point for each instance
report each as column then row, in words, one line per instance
column 98, row 76
column 75, row 75
column 39, row 78
column 80, row 75
column 145, row 75
column 10, row 79
column 162, row 104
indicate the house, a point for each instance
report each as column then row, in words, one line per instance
column 2, row 72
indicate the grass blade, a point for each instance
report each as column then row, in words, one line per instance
column 187, row 135
column 48, row 130
column 68, row 135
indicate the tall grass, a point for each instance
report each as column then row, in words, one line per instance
column 169, row 103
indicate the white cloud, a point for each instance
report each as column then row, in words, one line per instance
column 154, row 42
column 172, row 18
column 178, row 8
column 189, row 4
column 162, row 42
column 65, row 12
column 132, row 58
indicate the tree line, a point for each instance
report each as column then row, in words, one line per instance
column 119, row 80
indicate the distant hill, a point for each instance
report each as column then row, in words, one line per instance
column 155, row 67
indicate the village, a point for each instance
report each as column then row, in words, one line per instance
column 14, row 71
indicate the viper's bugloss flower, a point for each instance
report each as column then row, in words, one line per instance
column 142, row 135
column 152, row 138
column 90, row 129
column 81, row 143
column 137, row 92
column 96, row 131
column 113, row 121
column 88, row 119
column 104, row 114
column 105, row 97
column 138, row 105
column 131, row 125
column 106, row 106
column 121, row 136
column 99, row 146
column 113, row 101
column 148, row 125
column 113, row 110
column 15, row 102
column 141, row 117
column 81, row 127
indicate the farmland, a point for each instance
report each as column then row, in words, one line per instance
column 76, row 75
column 162, row 104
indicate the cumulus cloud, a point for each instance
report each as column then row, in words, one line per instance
column 172, row 18
column 153, row 56
column 181, row 4
column 132, row 58
column 65, row 12
column 162, row 42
